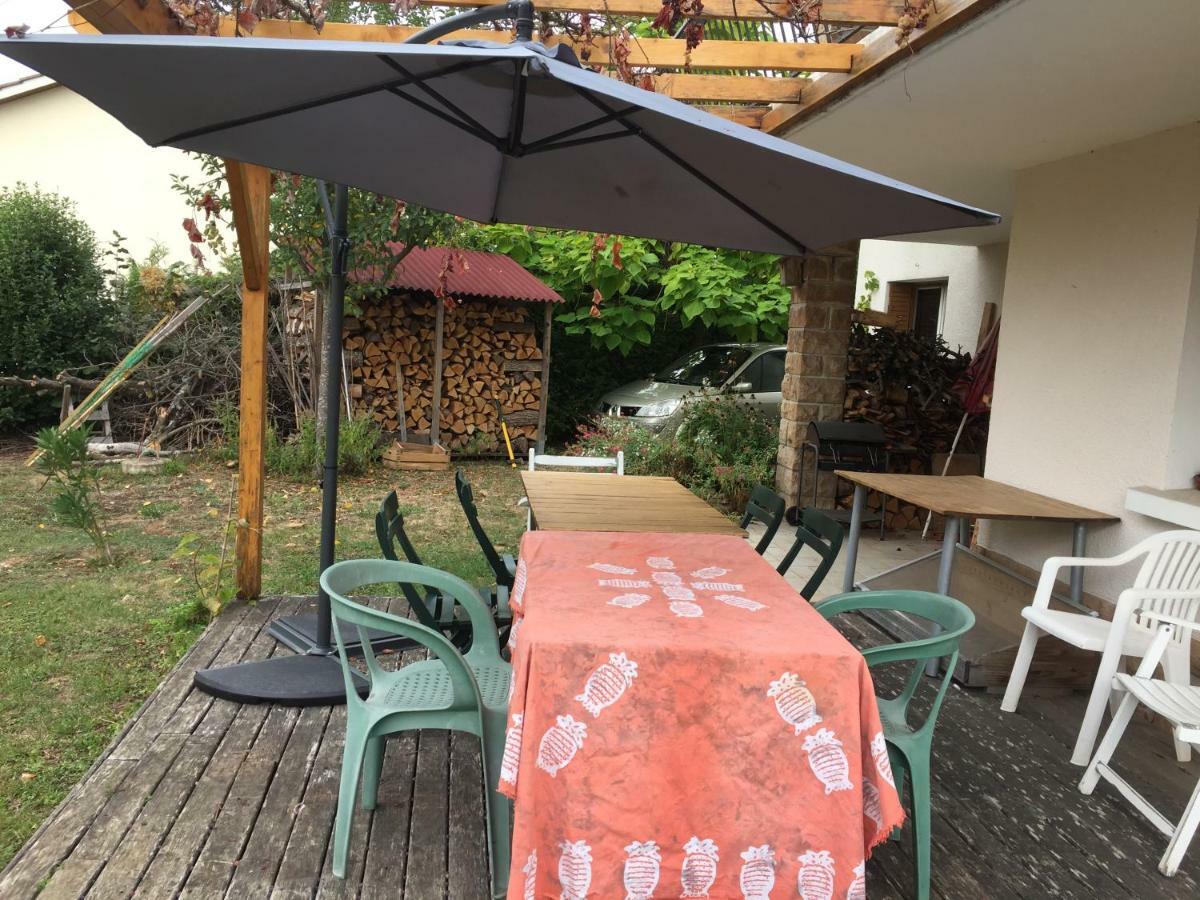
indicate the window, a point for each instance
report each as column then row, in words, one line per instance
column 927, row 310
column 772, row 371
column 706, row 366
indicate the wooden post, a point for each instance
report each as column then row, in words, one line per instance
column 250, row 192
column 544, row 398
column 435, row 419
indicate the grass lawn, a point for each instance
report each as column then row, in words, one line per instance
column 82, row 645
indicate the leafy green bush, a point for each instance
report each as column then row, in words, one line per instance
column 722, row 449
column 360, row 446
column 55, row 309
column 64, row 461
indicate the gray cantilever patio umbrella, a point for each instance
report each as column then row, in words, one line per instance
column 512, row 133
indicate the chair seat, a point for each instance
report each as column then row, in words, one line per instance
column 1085, row 632
column 426, row 685
column 1180, row 703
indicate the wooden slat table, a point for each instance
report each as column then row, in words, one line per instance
column 577, row 501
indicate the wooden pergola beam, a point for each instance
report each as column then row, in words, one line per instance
column 874, row 59
column 126, row 17
column 833, row 12
column 729, row 88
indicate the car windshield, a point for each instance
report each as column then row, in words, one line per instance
column 706, row 366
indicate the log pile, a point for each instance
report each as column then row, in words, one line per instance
column 903, row 382
column 489, row 351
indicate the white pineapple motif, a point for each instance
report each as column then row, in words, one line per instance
column 512, row 750
column 641, row 870
column 517, row 594
column 575, row 869
column 794, row 701
column 560, row 743
column 758, row 873
column 512, row 636
column 717, row 586
column 607, row 683
column 828, row 760
column 740, row 602
column 815, row 881
column 610, row 569
column 659, row 562
column 699, row 869
column 530, row 870
column 668, row 578
column 858, row 887
column 872, row 807
column 685, row 609
column 710, row 572
column 623, row 583
column 628, row 601
column 883, row 763
column 678, row 592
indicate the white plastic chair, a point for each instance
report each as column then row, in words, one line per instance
column 1167, row 583
column 543, row 461
column 1177, row 703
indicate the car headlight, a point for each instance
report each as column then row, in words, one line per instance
column 661, row 408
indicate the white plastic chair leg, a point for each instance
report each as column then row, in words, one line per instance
column 1184, row 831
column 1177, row 670
column 1020, row 669
column 1094, row 717
column 1108, row 745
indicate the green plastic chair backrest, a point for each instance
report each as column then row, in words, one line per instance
column 342, row 578
column 824, row 535
column 954, row 618
column 389, row 529
column 467, row 499
column 767, row 507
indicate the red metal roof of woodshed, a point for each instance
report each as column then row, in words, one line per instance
column 487, row 275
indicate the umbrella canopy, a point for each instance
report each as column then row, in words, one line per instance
column 496, row 133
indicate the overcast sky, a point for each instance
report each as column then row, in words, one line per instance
column 37, row 14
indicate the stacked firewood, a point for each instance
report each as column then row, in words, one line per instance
column 489, row 353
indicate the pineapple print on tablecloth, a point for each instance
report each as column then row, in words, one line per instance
column 709, row 572
column 883, row 763
column 794, row 702
column 828, row 760
column 858, row 887
column 699, row 869
column 610, row 569
column 607, row 683
column 717, row 586
column 815, row 881
column 513, row 631
column 660, row 562
column 530, row 872
column 512, row 750
column 758, row 873
column 629, row 601
column 517, row 595
column 686, row 609
column 642, row 863
column 560, row 743
column 629, row 583
column 872, row 806
column 575, row 869
column 666, row 578
column 678, row 592
column 740, row 602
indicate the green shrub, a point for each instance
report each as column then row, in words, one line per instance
column 360, row 446
column 55, row 309
column 721, row 450
column 64, row 462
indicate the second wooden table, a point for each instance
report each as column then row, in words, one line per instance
column 575, row 501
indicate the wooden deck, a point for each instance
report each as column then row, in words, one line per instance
column 203, row 798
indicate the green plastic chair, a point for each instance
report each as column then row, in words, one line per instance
column 451, row 691
column 824, row 535
column 504, row 567
column 767, row 507
column 908, row 745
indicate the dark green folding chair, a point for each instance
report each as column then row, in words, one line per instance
column 822, row 534
column 908, row 745
column 767, row 507
column 503, row 567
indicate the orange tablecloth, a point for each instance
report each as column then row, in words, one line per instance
column 684, row 724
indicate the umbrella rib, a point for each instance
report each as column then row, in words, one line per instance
column 420, row 84
column 486, row 136
column 254, row 118
column 578, row 142
column 694, row 172
column 541, row 143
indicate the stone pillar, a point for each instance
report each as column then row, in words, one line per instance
column 814, row 381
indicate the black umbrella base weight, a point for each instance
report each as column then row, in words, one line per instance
column 300, row 680
column 299, row 632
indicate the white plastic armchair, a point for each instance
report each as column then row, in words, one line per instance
column 1168, row 582
column 1180, row 705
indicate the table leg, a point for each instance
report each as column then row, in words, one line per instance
column 1079, row 548
column 945, row 571
column 856, row 515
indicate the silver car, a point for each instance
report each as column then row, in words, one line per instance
column 754, row 371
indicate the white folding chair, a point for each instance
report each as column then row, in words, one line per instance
column 545, row 461
column 1179, row 704
column 1168, row 582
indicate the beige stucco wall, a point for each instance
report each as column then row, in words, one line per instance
column 1098, row 376
column 61, row 142
column 973, row 276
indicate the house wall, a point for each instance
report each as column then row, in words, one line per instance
column 1099, row 363
column 57, row 140
column 973, row 276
